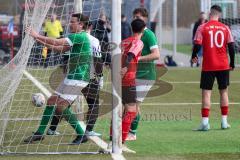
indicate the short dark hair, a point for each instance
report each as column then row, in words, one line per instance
column 82, row 18
column 142, row 11
column 216, row 8
column 138, row 25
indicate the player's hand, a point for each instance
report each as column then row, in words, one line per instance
column 31, row 32
column 123, row 71
column 232, row 66
column 195, row 60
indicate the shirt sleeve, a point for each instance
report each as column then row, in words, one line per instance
column 136, row 47
column 152, row 41
column 230, row 37
column 198, row 36
column 73, row 39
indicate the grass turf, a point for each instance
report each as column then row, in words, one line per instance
column 165, row 131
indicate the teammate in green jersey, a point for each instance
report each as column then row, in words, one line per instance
column 146, row 71
column 77, row 77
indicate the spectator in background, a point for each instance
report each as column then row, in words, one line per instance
column 53, row 29
column 126, row 28
column 100, row 30
column 202, row 19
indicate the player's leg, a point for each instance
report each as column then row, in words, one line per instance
column 128, row 117
column 54, row 123
column 142, row 89
column 223, row 83
column 206, row 84
column 71, row 118
column 134, row 126
column 91, row 94
column 47, row 115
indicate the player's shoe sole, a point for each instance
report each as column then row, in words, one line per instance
column 203, row 128
column 35, row 137
column 225, row 126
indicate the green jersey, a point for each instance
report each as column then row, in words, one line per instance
column 79, row 57
column 147, row 70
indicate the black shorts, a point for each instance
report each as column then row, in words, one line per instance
column 92, row 90
column 129, row 94
column 208, row 78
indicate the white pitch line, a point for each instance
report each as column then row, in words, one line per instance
column 182, row 104
column 186, row 82
column 195, row 82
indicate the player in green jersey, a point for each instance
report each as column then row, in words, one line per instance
column 146, row 71
column 77, row 77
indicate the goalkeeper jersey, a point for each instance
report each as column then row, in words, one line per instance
column 79, row 57
column 147, row 70
column 53, row 29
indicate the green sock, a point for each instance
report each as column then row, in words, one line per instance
column 71, row 118
column 134, row 124
column 47, row 114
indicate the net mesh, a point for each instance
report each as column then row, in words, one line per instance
column 19, row 116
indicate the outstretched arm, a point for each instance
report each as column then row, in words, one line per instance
column 58, row 49
column 46, row 40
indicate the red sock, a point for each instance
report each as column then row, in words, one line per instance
column 224, row 110
column 205, row 112
column 126, row 124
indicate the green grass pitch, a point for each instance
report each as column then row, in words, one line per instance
column 165, row 130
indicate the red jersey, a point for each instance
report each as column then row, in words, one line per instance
column 214, row 37
column 135, row 46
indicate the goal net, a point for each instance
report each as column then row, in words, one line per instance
column 36, row 69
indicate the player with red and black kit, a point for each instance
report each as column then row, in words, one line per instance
column 215, row 38
column 131, row 51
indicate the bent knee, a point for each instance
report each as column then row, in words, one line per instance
column 52, row 100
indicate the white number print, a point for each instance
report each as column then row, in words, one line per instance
column 215, row 37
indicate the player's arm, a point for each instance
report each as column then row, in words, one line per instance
column 231, row 54
column 231, row 49
column 153, row 44
column 196, row 49
column 154, row 55
column 197, row 44
column 135, row 49
column 51, row 41
column 58, row 49
column 46, row 40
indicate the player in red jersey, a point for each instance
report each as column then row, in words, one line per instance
column 131, row 51
column 214, row 37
